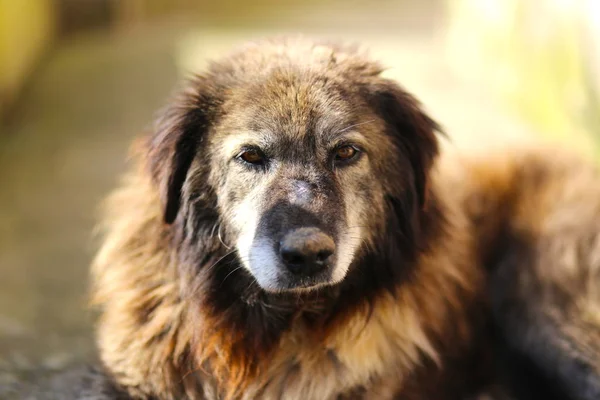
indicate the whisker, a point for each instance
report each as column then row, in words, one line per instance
column 214, row 228
column 252, row 283
column 196, row 289
column 220, row 239
column 220, row 259
column 227, row 276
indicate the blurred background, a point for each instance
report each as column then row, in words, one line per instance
column 80, row 78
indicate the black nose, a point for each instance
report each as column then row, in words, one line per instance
column 306, row 251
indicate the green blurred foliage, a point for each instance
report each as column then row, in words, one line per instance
column 539, row 56
column 26, row 31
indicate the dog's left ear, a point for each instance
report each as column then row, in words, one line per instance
column 178, row 133
column 413, row 130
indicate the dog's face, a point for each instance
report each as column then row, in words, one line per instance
column 296, row 181
column 304, row 166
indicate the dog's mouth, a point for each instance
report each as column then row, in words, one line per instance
column 301, row 284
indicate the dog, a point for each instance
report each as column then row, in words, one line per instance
column 290, row 230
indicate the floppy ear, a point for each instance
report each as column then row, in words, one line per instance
column 178, row 133
column 412, row 129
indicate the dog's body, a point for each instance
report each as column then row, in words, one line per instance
column 431, row 264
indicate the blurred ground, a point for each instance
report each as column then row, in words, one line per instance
column 62, row 153
column 67, row 145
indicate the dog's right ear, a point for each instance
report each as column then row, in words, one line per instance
column 178, row 132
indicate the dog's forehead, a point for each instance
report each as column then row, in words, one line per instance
column 294, row 105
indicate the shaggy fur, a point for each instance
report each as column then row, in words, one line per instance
column 467, row 268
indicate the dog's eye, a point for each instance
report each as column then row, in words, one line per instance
column 345, row 153
column 252, row 156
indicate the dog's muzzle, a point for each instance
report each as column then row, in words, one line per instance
column 293, row 248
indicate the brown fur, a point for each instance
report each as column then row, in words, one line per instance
column 168, row 331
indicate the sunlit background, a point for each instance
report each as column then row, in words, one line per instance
column 80, row 78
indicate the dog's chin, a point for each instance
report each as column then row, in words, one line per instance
column 279, row 281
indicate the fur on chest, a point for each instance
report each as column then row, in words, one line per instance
column 369, row 348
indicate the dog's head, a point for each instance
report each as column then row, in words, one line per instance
column 296, row 155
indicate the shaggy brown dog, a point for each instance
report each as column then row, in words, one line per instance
column 289, row 233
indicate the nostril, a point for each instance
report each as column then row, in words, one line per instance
column 292, row 257
column 323, row 255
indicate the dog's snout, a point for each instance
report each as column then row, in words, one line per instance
column 306, row 251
